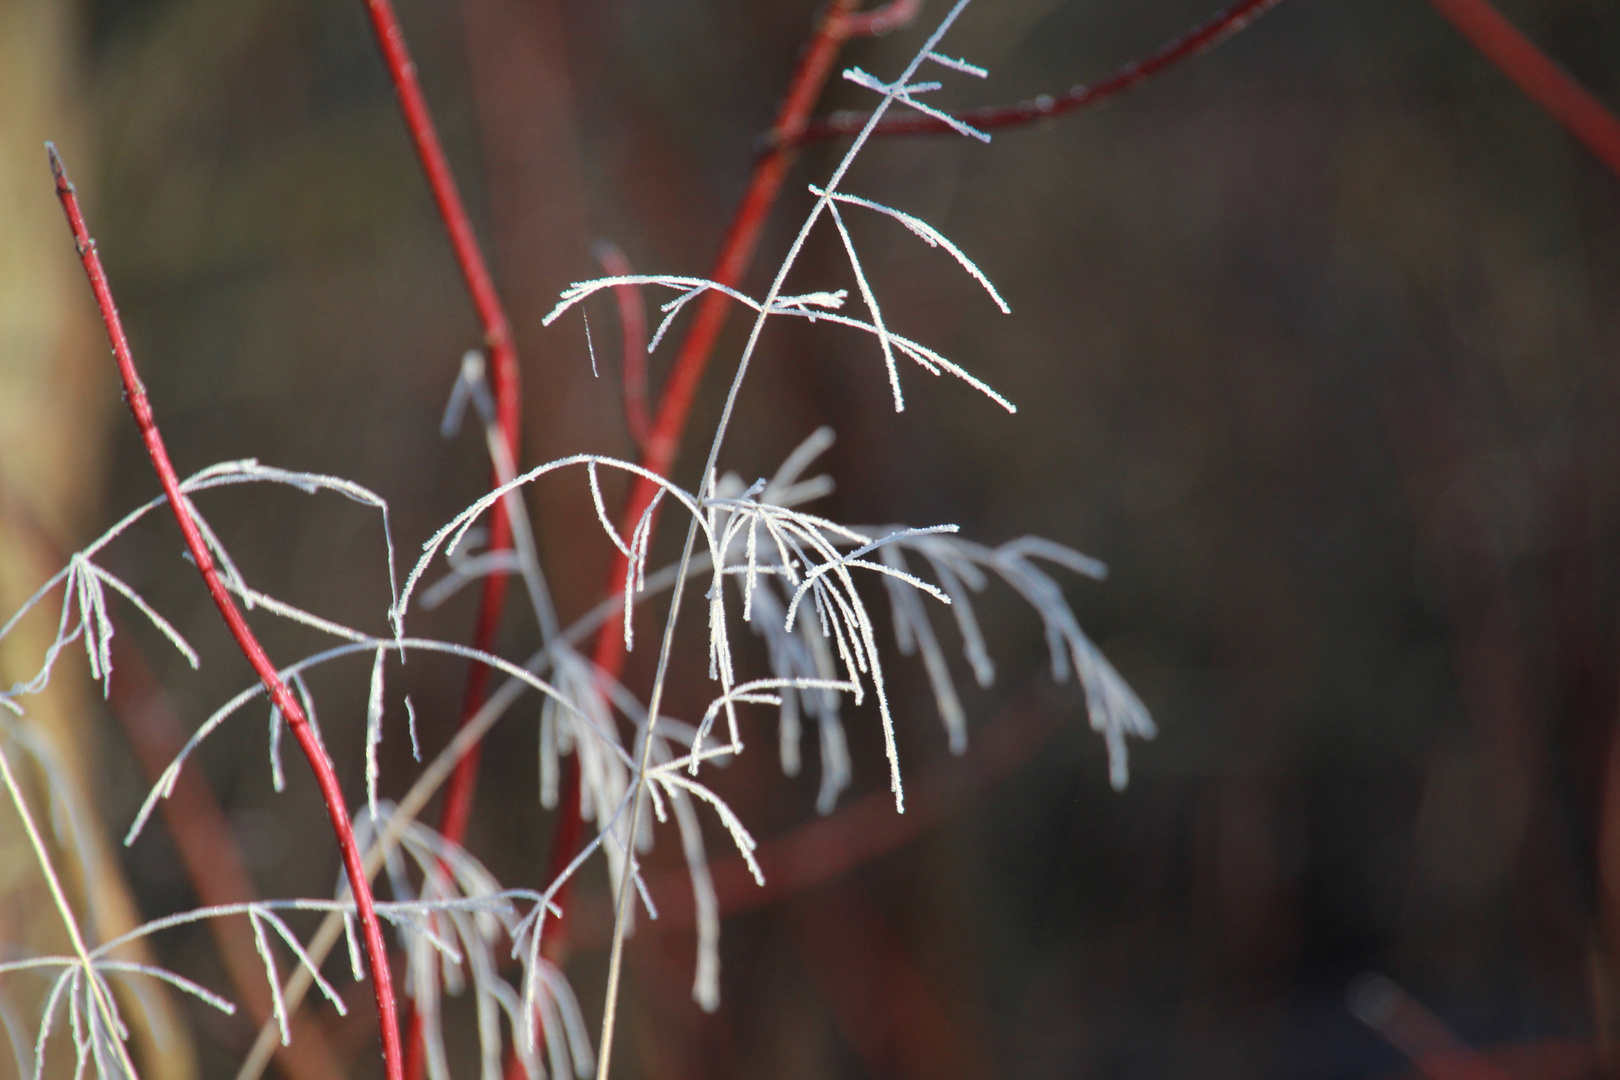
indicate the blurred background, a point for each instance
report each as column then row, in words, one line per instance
column 1314, row 342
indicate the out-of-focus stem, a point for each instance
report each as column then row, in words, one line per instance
column 308, row 741
column 1541, row 79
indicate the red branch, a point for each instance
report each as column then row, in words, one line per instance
column 736, row 251
column 458, row 793
column 633, row 329
column 793, row 127
column 308, row 741
column 992, row 117
column 201, row 833
column 1541, row 79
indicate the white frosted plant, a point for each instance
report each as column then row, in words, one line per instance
column 793, row 577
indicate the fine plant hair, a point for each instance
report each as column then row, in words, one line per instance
column 764, row 560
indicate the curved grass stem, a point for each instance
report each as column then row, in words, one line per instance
column 308, row 741
column 655, row 699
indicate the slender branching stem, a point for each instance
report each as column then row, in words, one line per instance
column 94, row 985
column 736, row 253
column 208, row 851
column 308, row 741
column 996, row 117
column 427, row 784
column 1569, row 103
column 659, row 441
column 202, row 835
column 1541, row 79
column 654, row 700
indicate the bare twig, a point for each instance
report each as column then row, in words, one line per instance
column 502, row 362
column 864, row 829
column 456, row 809
column 736, row 252
column 995, row 117
column 202, row 835
column 308, row 741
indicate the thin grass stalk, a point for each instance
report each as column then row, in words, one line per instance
column 659, row 442
column 98, row 991
column 202, row 836
column 655, row 699
column 293, row 713
column 736, row 253
column 208, row 851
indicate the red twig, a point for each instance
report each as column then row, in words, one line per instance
column 308, row 741
column 456, row 809
column 992, row 117
column 633, row 328
column 736, row 251
column 1541, row 79
column 458, row 793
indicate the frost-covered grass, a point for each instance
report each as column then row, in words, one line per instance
column 791, row 576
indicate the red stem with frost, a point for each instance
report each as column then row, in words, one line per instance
column 503, row 365
column 993, row 117
column 456, row 810
column 291, row 711
column 736, row 251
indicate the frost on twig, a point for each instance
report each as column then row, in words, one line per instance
column 452, row 917
column 958, row 564
column 780, row 556
column 83, row 614
column 794, row 581
column 820, row 306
